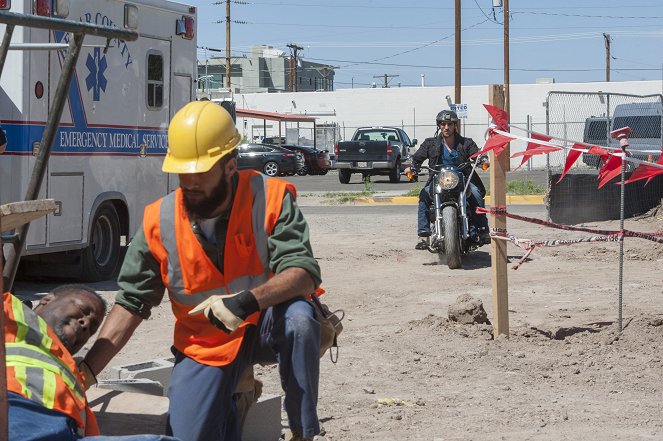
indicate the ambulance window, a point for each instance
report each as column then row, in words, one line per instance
column 154, row 80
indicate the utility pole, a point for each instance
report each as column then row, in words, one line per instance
column 386, row 79
column 607, row 39
column 228, row 43
column 325, row 72
column 293, row 50
column 209, row 95
column 457, row 67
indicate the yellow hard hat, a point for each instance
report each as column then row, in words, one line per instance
column 200, row 133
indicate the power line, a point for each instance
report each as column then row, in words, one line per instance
column 423, row 46
column 617, row 17
column 494, row 20
column 419, row 66
column 350, row 5
column 335, row 5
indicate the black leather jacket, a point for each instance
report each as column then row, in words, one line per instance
column 431, row 149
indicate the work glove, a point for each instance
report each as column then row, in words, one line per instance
column 89, row 379
column 228, row 312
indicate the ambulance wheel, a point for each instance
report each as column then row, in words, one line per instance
column 102, row 256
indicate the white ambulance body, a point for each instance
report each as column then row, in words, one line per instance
column 105, row 165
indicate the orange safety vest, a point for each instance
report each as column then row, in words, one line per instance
column 189, row 275
column 41, row 369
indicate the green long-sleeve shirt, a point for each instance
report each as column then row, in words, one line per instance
column 141, row 286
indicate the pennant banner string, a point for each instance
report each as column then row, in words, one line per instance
column 550, row 144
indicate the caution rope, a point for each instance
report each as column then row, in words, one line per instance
column 528, row 245
column 501, row 211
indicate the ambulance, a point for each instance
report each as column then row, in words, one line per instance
column 105, row 164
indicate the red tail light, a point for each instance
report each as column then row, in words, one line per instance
column 388, row 150
column 42, row 7
column 5, row 4
column 336, row 149
column 188, row 24
column 289, row 155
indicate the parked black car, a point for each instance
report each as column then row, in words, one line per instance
column 316, row 162
column 269, row 159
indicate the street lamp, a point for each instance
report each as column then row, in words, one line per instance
column 206, row 78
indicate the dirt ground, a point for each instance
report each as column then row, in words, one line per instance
column 406, row 373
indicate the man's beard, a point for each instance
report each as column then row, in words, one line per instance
column 59, row 331
column 204, row 208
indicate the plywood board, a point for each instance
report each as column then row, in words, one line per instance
column 15, row 214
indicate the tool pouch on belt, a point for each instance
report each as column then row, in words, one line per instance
column 330, row 328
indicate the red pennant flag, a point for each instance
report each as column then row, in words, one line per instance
column 541, row 150
column 532, row 145
column 596, row 150
column 646, row 171
column 571, row 159
column 610, row 170
column 496, row 142
column 499, row 116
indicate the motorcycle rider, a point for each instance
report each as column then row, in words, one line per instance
column 449, row 148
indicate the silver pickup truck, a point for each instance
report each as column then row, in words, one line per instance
column 374, row 151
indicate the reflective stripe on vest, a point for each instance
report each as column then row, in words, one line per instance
column 169, row 240
column 30, row 328
column 21, row 354
column 36, row 370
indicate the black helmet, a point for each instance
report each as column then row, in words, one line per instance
column 446, row 116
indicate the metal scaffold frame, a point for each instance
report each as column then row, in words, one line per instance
column 78, row 30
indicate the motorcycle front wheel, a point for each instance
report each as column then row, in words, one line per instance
column 451, row 237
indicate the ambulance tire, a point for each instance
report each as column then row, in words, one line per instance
column 102, row 256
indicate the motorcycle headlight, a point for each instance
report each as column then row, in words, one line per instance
column 448, row 180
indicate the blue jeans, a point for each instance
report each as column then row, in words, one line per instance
column 30, row 421
column 202, row 405
column 475, row 200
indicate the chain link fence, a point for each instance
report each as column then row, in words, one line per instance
column 590, row 116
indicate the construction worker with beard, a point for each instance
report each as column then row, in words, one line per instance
column 45, row 389
column 232, row 250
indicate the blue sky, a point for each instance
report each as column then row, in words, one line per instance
column 366, row 38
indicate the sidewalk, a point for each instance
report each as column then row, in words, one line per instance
column 397, row 197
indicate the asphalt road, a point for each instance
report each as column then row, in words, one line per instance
column 330, row 183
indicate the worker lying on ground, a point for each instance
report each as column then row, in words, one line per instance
column 45, row 389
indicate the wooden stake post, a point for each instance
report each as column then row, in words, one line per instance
column 498, row 168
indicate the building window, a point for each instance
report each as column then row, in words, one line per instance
column 154, row 80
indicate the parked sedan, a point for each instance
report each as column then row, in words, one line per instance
column 269, row 159
column 316, row 162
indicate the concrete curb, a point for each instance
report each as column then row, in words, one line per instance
column 413, row 200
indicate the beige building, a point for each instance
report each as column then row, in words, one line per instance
column 265, row 69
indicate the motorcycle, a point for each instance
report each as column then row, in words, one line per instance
column 452, row 233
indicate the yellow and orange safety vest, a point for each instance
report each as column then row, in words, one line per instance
column 41, row 369
column 189, row 275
